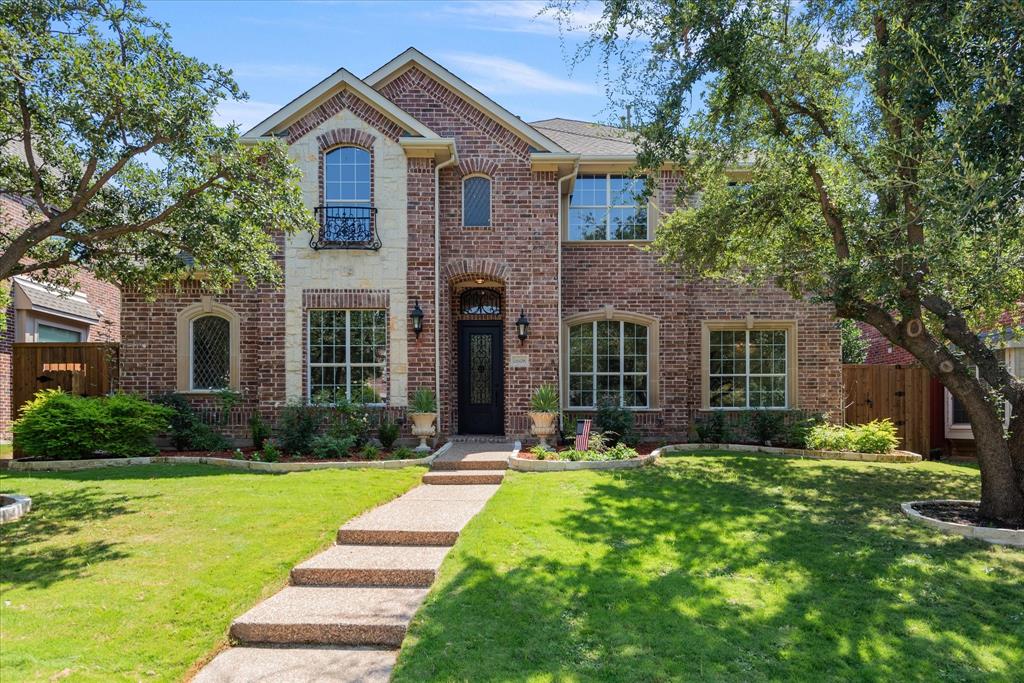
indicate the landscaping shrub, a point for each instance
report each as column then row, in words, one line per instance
column 616, row 452
column 403, row 453
column 370, row 452
column 387, row 432
column 187, row 431
column 328, row 447
column 877, row 436
column 711, row 428
column 62, row 426
column 298, row 426
column 544, row 399
column 269, row 452
column 348, row 420
column 259, row 430
column 800, row 425
column 616, row 422
column 766, row 427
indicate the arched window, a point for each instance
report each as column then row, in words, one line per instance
column 210, row 346
column 476, row 202
column 347, row 177
column 480, row 302
column 609, row 362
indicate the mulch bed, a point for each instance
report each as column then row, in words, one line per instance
column 957, row 513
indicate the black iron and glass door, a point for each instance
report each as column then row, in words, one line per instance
column 481, row 378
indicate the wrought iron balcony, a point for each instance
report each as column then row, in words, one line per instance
column 346, row 227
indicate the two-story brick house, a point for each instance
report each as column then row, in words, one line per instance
column 434, row 199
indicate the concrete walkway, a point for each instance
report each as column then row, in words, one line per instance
column 347, row 609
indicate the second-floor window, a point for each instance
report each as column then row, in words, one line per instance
column 476, row 202
column 347, row 177
column 608, row 207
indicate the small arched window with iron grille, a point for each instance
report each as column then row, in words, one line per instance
column 480, row 302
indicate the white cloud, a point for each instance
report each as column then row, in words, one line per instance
column 498, row 75
column 245, row 114
column 520, row 16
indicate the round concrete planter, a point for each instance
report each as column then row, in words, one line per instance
column 528, row 465
column 13, row 507
column 1014, row 537
column 543, row 426
column 895, row 456
column 231, row 463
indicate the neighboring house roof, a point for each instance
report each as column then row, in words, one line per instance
column 413, row 57
column 340, row 79
column 584, row 137
column 31, row 295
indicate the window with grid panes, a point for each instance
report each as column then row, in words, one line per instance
column 608, row 362
column 748, row 369
column 608, row 207
column 347, row 356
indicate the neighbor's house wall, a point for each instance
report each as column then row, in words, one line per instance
column 349, row 278
column 519, row 250
column 20, row 326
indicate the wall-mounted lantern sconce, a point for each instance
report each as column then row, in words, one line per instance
column 417, row 318
column 521, row 325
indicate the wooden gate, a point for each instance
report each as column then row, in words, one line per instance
column 897, row 392
column 85, row 369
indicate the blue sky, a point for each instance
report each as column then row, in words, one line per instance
column 279, row 49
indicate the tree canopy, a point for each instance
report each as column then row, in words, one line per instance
column 881, row 146
column 108, row 135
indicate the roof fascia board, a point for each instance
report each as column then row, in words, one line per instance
column 327, row 87
column 440, row 149
column 413, row 57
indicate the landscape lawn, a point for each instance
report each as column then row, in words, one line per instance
column 135, row 573
column 721, row 567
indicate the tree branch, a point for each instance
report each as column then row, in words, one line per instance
column 30, row 157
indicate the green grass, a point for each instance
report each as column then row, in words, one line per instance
column 135, row 573
column 721, row 567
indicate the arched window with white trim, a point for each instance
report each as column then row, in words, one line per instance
column 347, row 177
column 476, row 201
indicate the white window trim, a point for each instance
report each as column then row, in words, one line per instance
column 607, row 206
column 963, row 430
column 621, row 374
column 348, row 364
column 349, row 202
column 490, row 200
column 83, row 332
column 191, row 354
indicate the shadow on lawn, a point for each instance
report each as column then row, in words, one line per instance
column 758, row 569
column 33, row 552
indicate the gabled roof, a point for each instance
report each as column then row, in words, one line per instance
column 584, row 137
column 413, row 57
column 35, row 296
column 340, row 79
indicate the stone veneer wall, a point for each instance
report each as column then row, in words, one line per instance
column 345, row 271
column 522, row 242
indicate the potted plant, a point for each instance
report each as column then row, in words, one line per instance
column 543, row 410
column 423, row 410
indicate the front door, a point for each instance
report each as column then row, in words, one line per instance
column 481, row 378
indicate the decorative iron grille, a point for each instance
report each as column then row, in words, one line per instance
column 481, row 302
column 346, row 227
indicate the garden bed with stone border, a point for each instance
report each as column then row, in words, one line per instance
column 894, row 456
column 13, row 507
column 235, row 463
column 522, row 464
column 961, row 510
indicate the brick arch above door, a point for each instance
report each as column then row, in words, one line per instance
column 465, row 269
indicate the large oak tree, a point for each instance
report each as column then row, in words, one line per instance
column 885, row 143
column 108, row 138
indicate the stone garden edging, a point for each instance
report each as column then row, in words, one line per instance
column 1014, row 537
column 250, row 465
column 13, row 507
column 895, row 456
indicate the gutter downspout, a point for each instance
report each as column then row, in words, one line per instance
column 561, row 384
column 437, row 280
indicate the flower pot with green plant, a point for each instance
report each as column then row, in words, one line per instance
column 423, row 411
column 544, row 409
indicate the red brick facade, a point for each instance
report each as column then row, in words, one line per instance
column 518, row 255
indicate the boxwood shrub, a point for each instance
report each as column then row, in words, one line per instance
column 59, row 426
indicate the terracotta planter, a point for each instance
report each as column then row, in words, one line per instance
column 543, row 426
column 423, row 427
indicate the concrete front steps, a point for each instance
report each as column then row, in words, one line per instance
column 348, row 608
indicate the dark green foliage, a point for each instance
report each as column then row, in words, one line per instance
column 370, row 452
column 269, row 452
column 387, row 432
column 403, row 453
column 767, row 427
column 711, row 428
column 854, row 343
column 297, row 427
column 60, row 426
column 348, row 420
column 187, row 431
column 615, row 422
column 327, row 447
column 259, row 430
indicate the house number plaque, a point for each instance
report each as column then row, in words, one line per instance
column 519, row 360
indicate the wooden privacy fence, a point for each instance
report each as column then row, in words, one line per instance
column 85, row 369
column 897, row 392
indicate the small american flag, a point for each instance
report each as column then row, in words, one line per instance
column 582, row 434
